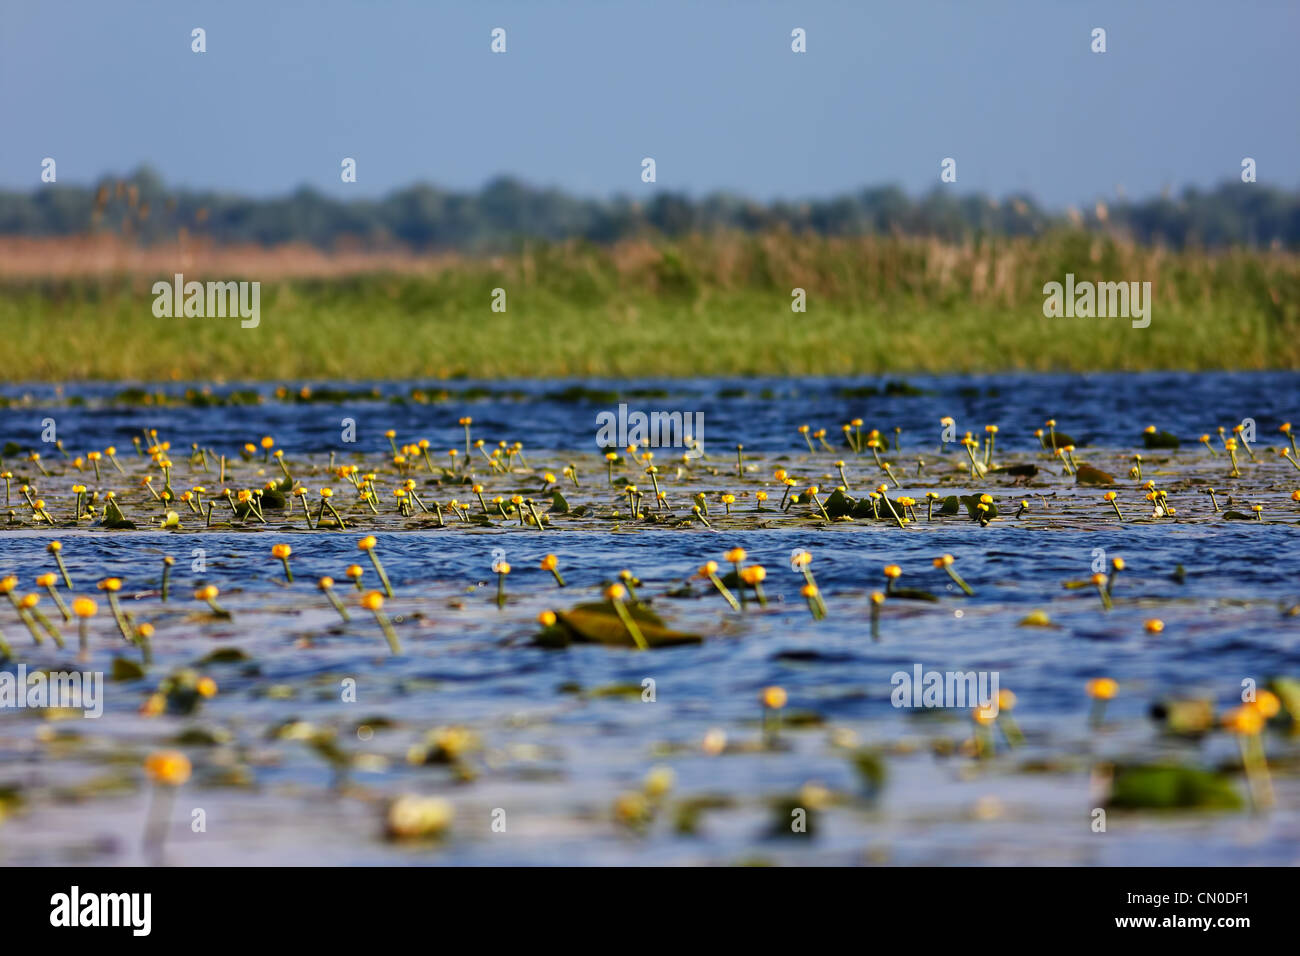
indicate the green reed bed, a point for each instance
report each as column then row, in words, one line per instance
column 700, row 306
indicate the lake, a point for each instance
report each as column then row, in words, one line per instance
column 316, row 726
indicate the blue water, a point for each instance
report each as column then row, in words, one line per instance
column 555, row 759
column 1110, row 408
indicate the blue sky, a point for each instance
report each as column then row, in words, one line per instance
column 708, row 88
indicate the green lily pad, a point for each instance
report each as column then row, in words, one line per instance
column 113, row 517
column 201, row 737
column 972, row 503
column 617, row 690
column 687, row 814
column 862, row 509
column 839, row 504
column 787, row 811
column 1016, row 471
column 912, row 594
column 1184, row 717
column 1171, row 787
column 870, row 765
column 1088, row 475
column 1159, row 440
column 224, row 655
column 126, row 669
column 558, row 504
column 599, row 623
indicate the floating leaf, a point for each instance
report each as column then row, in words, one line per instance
column 1159, row 440
column 1088, row 475
column 1171, row 787
column 113, row 517
column 792, row 817
column 1017, row 471
column 224, row 655
column 126, row 669
column 972, row 503
column 870, row 765
column 599, row 623
column 862, row 508
column 686, row 816
column 839, row 504
column 617, row 690
column 201, row 737
column 912, row 594
column 1187, row 718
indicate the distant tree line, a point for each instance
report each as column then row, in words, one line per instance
column 506, row 211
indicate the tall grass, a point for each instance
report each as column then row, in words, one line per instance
column 703, row 305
